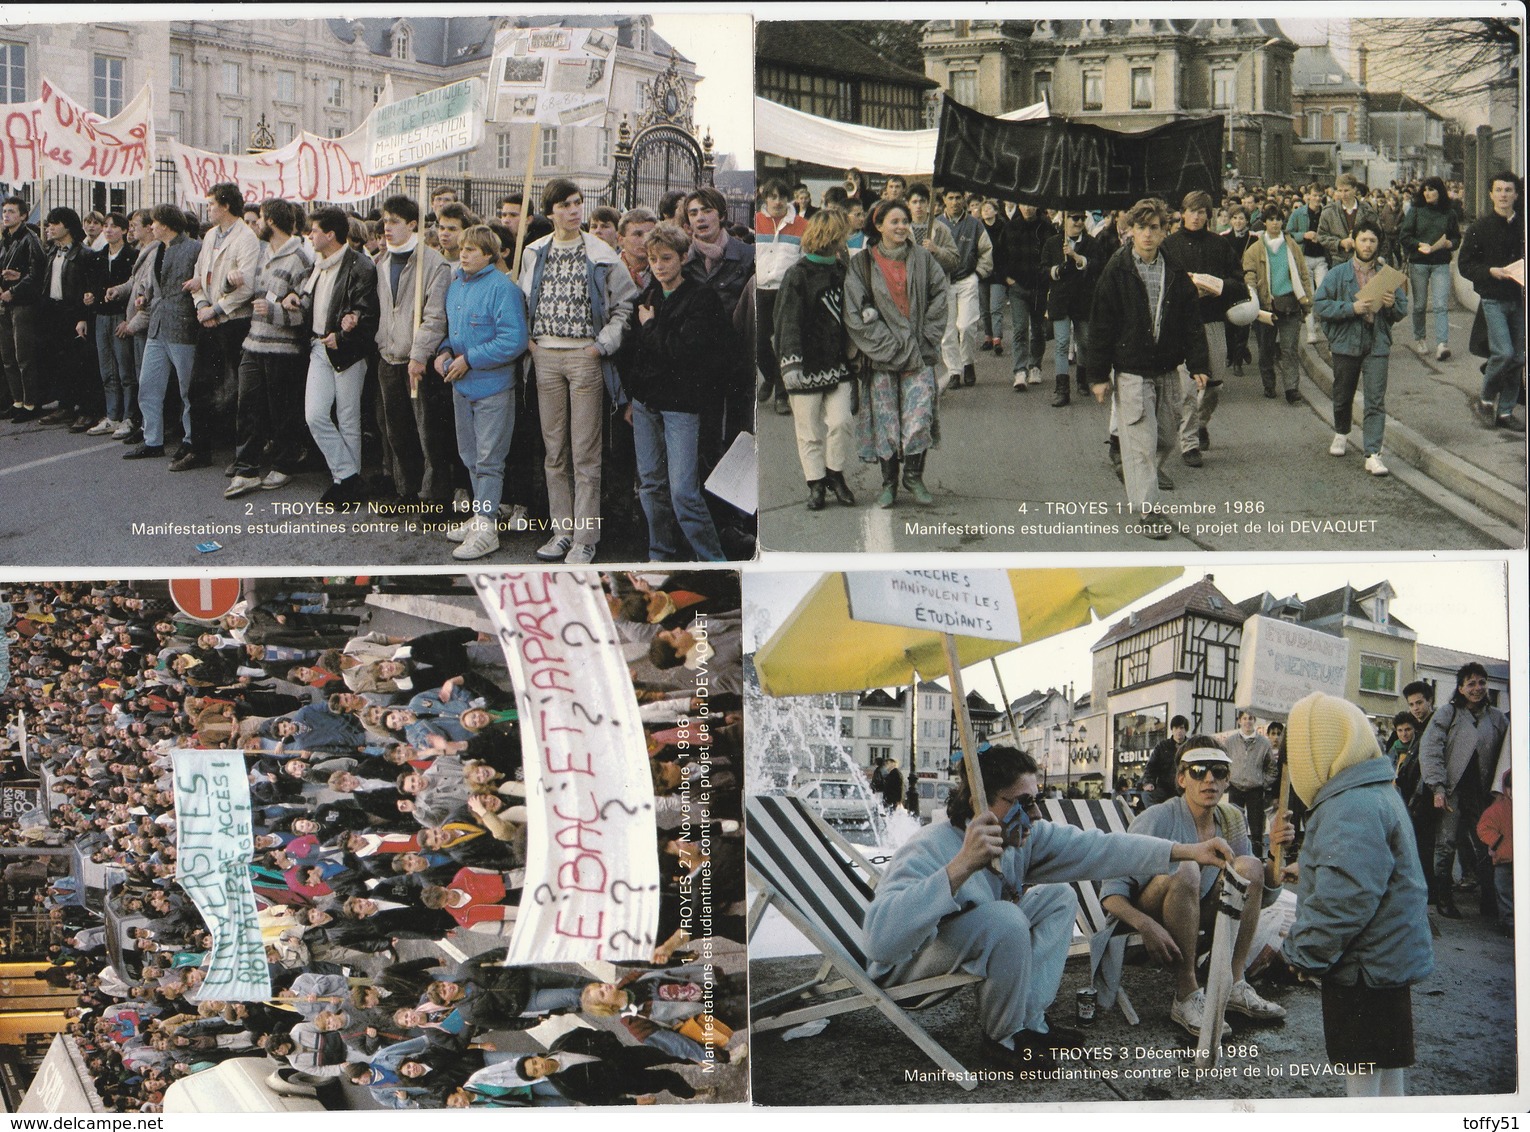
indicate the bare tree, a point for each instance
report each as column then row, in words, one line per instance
column 1440, row 62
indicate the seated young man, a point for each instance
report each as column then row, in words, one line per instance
column 1169, row 911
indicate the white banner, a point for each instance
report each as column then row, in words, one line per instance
column 56, row 136
column 307, row 169
column 785, row 132
column 556, row 76
column 965, row 603
column 1279, row 663
column 416, row 131
column 213, row 847
column 592, row 865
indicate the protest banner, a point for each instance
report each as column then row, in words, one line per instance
column 416, row 131
column 56, row 135
column 970, row 603
column 1279, row 663
column 214, row 843
column 554, row 76
column 1053, row 163
column 592, row 868
column 22, row 804
column 307, row 169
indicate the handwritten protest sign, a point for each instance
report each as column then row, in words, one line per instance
column 592, row 869
column 556, row 76
column 1279, row 663
column 307, row 169
column 429, row 126
column 56, row 135
column 971, row 603
column 1056, row 164
column 213, row 847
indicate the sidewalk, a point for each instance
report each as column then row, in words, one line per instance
column 1430, row 428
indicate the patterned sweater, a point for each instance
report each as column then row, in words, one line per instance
column 563, row 308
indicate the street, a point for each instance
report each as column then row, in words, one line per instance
column 1040, row 480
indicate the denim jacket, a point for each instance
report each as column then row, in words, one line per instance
column 1348, row 332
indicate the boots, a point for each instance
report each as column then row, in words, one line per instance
column 815, row 495
column 1061, row 397
column 913, row 479
column 1083, row 382
column 836, row 483
column 889, row 493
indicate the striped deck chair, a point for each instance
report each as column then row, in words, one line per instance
column 1112, row 815
column 823, row 886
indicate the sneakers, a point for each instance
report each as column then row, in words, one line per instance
column 1485, row 412
column 555, row 548
column 1510, row 422
column 481, row 539
column 123, row 430
column 239, row 485
column 1339, row 446
column 103, row 426
column 132, row 438
column 458, row 532
column 1035, row 375
column 274, row 480
column 1421, row 348
column 1020, row 379
column 515, row 517
column 580, row 554
column 1374, row 465
column 1245, row 1000
column 1191, row 1013
column 1442, row 353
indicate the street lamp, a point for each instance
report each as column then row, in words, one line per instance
column 1232, row 92
column 1070, row 738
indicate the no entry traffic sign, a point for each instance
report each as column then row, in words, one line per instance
column 206, row 599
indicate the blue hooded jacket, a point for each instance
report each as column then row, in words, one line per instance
column 486, row 323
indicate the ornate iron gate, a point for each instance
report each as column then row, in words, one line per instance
column 664, row 154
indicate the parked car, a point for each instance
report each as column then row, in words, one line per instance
column 842, row 800
column 933, row 793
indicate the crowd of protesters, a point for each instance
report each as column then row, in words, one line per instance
column 396, row 355
column 388, row 807
column 873, row 309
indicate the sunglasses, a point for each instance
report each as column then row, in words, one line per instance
column 1218, row 771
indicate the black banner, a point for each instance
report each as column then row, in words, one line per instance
column 1056, row 164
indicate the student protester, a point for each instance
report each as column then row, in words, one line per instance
column 485, row 336
column 1362, row 922
column 109, row 270
column 579, row 297
column 171, row 344
column 670, row 374
column 22, row 279
column 810, row 346
column 66, row 323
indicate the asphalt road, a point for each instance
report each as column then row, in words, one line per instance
column 1008, row 461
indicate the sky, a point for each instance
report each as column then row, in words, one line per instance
column 722, row 47
column 1460, row 605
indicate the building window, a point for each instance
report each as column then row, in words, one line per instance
column 1314, row 125
column 463, row 161
column 178, row 125
column 1378, row 674
column 401, row 44
column 231, row 78
column 1142, row 88
column 233, row 134
column 502, row 151
column 336, row 131
column 107, row 72
column 1094, row 90
column 847, row 701
column 1041, row 87
column 286, row 132
column 13, row 72
column 603, row 147
column 1222, row 88
column 1138, row 732
column 549, row 154
column 177, row 71
column 377, row 93
column 881, row 727
column 847, row 727
column 336, row 93
column 880, row 754
column 1341, row 125
column 1216, row 662
column 964, row 86
column 286, row 86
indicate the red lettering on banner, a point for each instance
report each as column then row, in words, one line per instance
column 570, row 766
column 528, row 622
column 550, row 680
column 571, row 874
column 18, row 158
column 308, row 187
column 527, row 589
column 577, row 930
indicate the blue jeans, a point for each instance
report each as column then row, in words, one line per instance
column 119, row 378
column 1369, row 372
column 997, row 293
column 1431, row 280
column 1505, row 320
column 1026, row 340
column 484, row 427
column 159, row 358
column 1062, row 336
column 669, row 485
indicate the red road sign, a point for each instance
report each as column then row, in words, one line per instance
column 206, row 599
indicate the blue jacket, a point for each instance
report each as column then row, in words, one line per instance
column 485, row 323
column 1348, row 332
column 1362, row 908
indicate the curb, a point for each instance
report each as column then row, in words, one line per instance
column 1494, row 506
